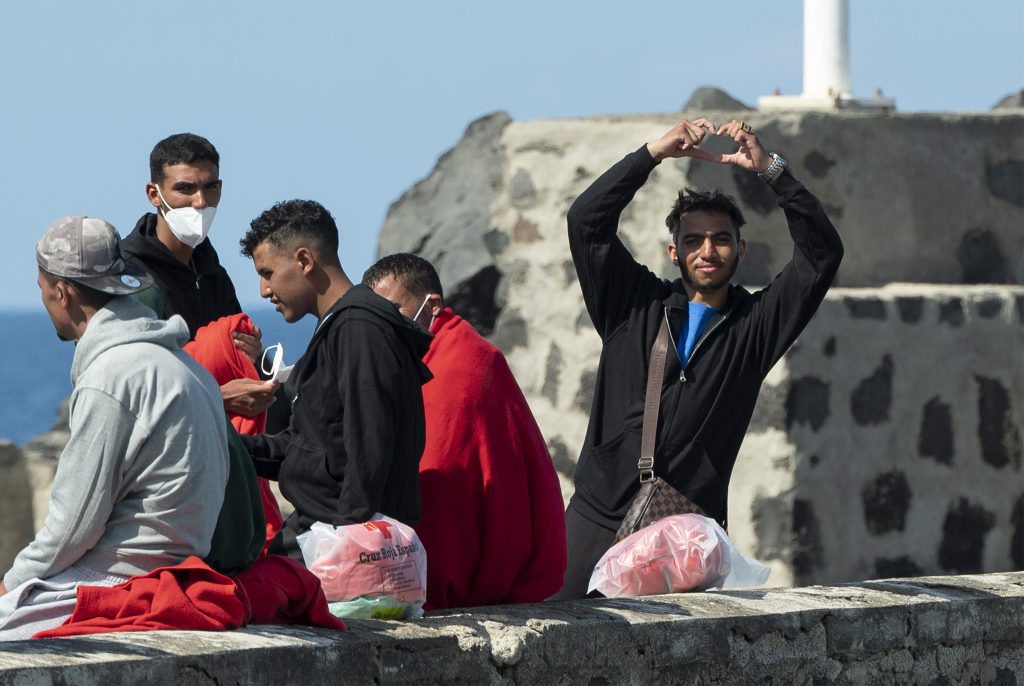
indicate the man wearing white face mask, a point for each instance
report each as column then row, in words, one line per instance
column 172, row 245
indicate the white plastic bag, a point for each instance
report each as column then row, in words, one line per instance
column 377, row 569
column 676, row 554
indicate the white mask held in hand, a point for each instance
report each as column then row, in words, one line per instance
column 278, row 371
column 189, row 225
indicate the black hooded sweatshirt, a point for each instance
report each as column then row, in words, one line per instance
column 201, row 292
column 706, row 403
column 356, row 434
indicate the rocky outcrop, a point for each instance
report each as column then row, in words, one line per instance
column 1011, row 101
column 454, row 228
column 710, row 99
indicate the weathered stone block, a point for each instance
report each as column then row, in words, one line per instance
column 873, row 631
column 16, row 521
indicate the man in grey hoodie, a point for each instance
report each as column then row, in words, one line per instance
column 140, row 482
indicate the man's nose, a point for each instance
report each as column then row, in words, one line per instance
column 264, row 288
column 199, row 200
column 707, row 248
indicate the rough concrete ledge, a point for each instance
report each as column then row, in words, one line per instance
column 932, row 630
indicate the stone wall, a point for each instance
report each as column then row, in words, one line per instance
column 936, row 631
column 26, row 476
column 888, row 440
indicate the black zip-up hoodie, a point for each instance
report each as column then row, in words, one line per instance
column 356, row 434
column 200, row 296
column 705, row 407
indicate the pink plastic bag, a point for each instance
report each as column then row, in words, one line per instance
column 676, row 554
column 380, row 558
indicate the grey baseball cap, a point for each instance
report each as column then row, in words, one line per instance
column 88, row 250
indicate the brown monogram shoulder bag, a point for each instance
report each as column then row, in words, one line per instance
column 656, row 498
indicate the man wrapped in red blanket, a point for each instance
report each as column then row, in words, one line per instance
column 492, row 513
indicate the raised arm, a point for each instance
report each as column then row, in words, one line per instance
column 789, row 302
column 609, row 277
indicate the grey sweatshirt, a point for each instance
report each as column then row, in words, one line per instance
column 141, row 480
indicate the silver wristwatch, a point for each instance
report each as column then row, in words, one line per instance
column 774, row 170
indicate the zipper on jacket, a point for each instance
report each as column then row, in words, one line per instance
column 195, row 272
column 700, row 342
column 315, row 331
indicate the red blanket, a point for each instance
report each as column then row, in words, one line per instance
column 274, row 590
column 493, row 521
column 214, row 348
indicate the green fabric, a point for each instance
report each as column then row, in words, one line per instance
column 241, row 529
column 152, row 298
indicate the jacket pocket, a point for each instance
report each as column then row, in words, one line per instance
column 303, row 471
column 607, row 473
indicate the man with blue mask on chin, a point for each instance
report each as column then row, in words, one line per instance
column 172, row 244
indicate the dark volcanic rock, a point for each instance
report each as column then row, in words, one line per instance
column 445, row 218
column 1011, row 101
column 710, row 98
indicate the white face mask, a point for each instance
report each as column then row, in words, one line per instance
column 416, row 317
column 189, row 225
column 278, row 371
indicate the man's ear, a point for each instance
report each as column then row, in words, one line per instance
column 435, row 304
column 153, row 196
column 64, row 293
column 742, row 248
column 305, row 259
column 672, row 253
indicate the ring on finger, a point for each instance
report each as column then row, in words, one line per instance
column 744, row 126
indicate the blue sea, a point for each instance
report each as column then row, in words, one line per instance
column 35, row 366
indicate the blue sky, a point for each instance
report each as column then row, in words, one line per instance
column 350, row 103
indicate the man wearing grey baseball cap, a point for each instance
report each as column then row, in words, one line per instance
column 139, row 484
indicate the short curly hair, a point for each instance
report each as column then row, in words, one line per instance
column 292, row 221
column 690, row 200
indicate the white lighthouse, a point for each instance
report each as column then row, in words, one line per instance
column 826, row 64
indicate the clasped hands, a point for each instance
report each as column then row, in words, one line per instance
column 683, row 138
